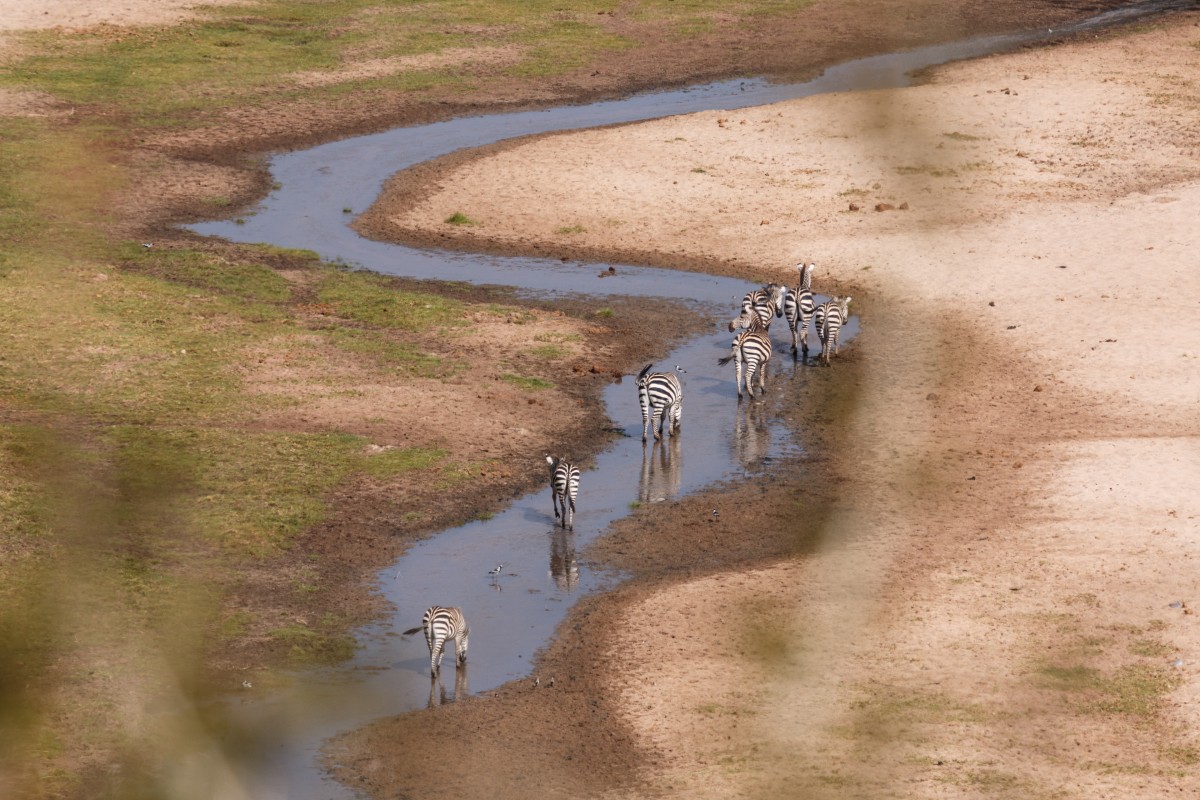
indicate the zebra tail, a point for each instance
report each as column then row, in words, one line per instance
column 642, row 375
column 723, row 361
column 411, row 631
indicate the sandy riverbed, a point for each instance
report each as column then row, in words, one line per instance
column 1014, row 544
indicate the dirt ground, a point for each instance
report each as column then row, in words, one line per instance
column 970, row 586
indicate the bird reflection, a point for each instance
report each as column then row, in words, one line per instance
column 564, row 568
column 660, row 471
column 751, row 436
column 437, row 691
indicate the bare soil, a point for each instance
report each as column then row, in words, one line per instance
column 944, row 599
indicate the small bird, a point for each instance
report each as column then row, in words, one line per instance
column 498, row 569
column 537, row 682
column 247, row 685
column 552, row 683
column 147, row 245
column 716, row 513
column 680, row 369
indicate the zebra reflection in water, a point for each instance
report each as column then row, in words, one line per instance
column 660, row 472
column 564, row 568
column 437, row 691
column 751, row 436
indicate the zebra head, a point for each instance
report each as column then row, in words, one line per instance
column 844, row 303
column 748, row 319
column 552, row 461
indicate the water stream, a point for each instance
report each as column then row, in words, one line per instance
column 513, row 615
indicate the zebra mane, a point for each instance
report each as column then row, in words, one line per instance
column 642, row 375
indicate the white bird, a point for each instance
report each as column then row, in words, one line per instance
column 681, row 369
column 499, row 568
column 147, row 245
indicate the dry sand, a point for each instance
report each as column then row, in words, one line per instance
column 1013, row 565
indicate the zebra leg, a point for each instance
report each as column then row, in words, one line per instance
column 676, row 416
column 460, row 647
column 554, row 500
column 646, row 423
column 435, row 656
column 656, row 422
column 738, row 367
column 570, row 522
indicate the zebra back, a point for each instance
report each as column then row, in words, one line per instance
column 659, row 393
column 440, row 624
column 564, row 488
column 799, row 306
column 830, row 317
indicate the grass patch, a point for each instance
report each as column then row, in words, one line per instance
column 568, row 230
column 459, row 218
column 248, row 281
column 391, row 354
column 390, row 463
column 527, row 384
column 373, row 299
column 962, row 137
column 549, row 352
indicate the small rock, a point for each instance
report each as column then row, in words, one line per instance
column 854, row 206
column 904, row 206
column 1037, row 388
column 884, row 207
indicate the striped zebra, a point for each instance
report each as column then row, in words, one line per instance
column 829, row 318
column 564, row 486
column 798, row 307
column 767, row 302
column 751, row 349
column 661, row 397
column 440, row 624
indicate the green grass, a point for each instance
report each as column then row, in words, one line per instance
column 390, row 354
column 549, row 352
column 373, row 299
column 459, row 218
column 528, row 384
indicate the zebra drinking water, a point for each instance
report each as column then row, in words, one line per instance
column 798, row 307
column 661, row 397
column 766, row 302
column 564, row 486
column 440, row 624
column 829, row 318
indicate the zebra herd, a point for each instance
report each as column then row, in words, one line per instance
column 660, row 395
column 751, row 347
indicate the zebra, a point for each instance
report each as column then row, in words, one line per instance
column 767, row 302
column 564, row 486
column 798, row 307
column 829, row 318
column 752, row 349
column 661, row 396
column 440, row 624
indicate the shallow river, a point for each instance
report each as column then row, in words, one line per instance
column 515, row 614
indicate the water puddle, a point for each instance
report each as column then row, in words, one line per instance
column 515, row 613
